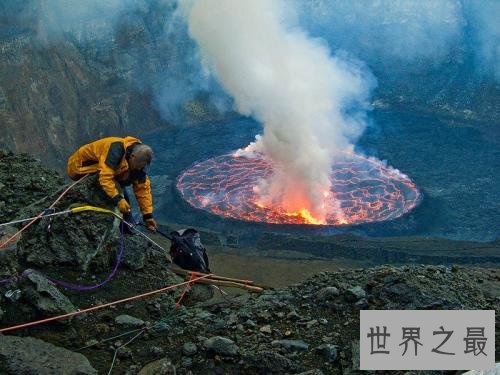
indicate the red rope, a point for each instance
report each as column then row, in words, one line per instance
column 192, row 276
column 13, row 237
column 78, row 312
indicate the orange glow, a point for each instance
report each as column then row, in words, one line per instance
column 303, row 214
column 306, row 216
column 260, row 205
column 362, row 190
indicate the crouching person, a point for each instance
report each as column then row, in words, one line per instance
column 119, row 162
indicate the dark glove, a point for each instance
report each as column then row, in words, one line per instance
column 150, row 222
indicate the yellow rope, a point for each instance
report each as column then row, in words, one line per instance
column 75, row 210
column 97, row 209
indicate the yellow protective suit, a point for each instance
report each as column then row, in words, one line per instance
column 108, row 157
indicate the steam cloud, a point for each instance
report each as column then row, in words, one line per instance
column 391, row 30
column 393, row 36
column 382, row 31
column 308, row 100
column 395, row 32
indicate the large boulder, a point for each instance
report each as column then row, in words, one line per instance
column 27, row 355
column 44, row 296
column 71, row 239
column 77, row 239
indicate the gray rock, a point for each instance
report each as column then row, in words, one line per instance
column 27, row 355
column 312, row 372
column 266, row 329
column 233, row 319
column 401, row 291
column 156, row 351
column 264, row 315
column 134, row 251
column 221, row 345
column 362, row 303
column 328, row 351
column 162, row 366
column 187, row 362
column 93, row 233
column 291, row 344
column 328, row 293
column 43, row 294
column 201, row 339
column 244, row 314
column 198, row 293
column 355, row 293
column 311, row 323
column 250, row 323
column 133, row 369
column 220, row 325
column 204, row 315
column 292, row 315
column 270, row 362
column 130, row 321
column 189, row 349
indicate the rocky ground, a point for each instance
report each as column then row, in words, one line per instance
column 310, row 327
column 23, row 180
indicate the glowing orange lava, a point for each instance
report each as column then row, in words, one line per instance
column 363, row 190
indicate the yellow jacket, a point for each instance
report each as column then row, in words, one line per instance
column 108, row 156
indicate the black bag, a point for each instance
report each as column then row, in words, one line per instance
column 187, row 251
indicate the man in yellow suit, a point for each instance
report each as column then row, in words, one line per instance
column 119, row 162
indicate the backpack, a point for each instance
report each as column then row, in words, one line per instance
column 187, row 251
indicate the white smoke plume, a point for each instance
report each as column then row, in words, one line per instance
column 308, row 100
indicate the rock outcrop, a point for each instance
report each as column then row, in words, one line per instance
column 312, row 326
column 44, row 295
column 27, row 355
column 23, row 181
column 83, row 251
column 62, row 85
column 77, row 239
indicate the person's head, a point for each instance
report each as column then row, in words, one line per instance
column 140, row 157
